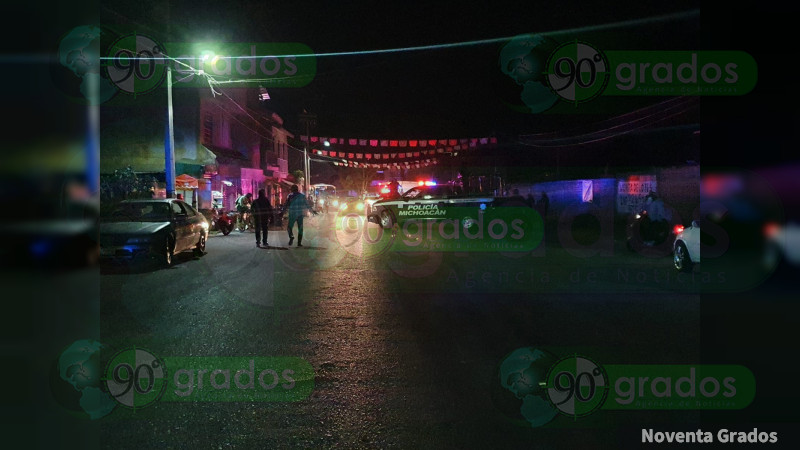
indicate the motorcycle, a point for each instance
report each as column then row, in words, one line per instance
column 222, row 221
column 642, row 232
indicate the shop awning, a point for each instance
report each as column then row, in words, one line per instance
column 185, row 182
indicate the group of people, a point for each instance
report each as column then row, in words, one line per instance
column 261, row 208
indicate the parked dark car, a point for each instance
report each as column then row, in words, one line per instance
column 158, row 229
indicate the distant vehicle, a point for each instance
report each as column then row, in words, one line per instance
column 323, row 196
column 686, row 248
column 351, row 204
column 157, row 228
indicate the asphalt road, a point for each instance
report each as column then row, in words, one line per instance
column 406, row 347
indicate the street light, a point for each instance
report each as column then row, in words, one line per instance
column 309, row 119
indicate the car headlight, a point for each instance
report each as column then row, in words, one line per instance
column 139, row 240
column 360, row 206
column 204, row 224
column 336, row 203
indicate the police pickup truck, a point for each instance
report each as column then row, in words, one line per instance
column 436, row 202
column 453, row 221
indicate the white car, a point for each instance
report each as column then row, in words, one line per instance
column 686, row 248
column 782, row 243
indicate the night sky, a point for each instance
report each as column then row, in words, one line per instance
column 454, row 92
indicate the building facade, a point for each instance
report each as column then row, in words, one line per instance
column 250, row 145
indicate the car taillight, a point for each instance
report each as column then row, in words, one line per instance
column 678, row 229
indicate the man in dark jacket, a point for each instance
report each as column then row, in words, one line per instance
column 296, row 206
column 262, row 211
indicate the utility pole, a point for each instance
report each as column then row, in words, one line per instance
column 169, row 141
column 309, row 120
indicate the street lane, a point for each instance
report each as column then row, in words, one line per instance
column 402, row 357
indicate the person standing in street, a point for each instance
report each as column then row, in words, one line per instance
column 544, row 203
column 262, row 211
column 296, row 205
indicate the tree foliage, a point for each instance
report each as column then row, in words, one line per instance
column 125, row 184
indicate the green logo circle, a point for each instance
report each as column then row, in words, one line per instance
column 577, row 386
column 136, row 64
column 577, row 72
column 135, row 378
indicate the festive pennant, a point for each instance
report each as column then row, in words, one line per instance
column 412, row 143
column 352, row 141
column 384, row 143
column 373, row 142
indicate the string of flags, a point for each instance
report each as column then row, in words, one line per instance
column 383, row 153
column 404, row 164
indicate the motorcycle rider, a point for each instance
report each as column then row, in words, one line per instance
column 243, row 204
column 658, row 218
